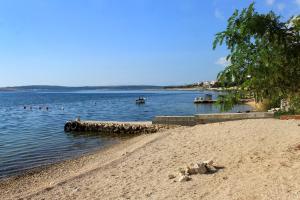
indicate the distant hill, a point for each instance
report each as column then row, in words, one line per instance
column 65, row 88
column 6, row 89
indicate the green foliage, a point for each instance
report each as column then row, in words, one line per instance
column 280, row 112
column 295, row 104
column 264, row 54
column 232, row 97
column 226, row 102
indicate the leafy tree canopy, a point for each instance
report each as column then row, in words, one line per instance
column 264, row 54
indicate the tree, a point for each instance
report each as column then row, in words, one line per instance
column 264, row 54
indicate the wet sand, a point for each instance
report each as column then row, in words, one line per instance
column 261, row 160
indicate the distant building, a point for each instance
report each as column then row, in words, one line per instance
column 213, row 83
column 206, row 84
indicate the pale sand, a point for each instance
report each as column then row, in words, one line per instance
column 261, row 160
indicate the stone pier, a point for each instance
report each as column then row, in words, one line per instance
column 209, row 118
column 114, row 127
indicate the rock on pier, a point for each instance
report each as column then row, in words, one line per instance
column 113, row 127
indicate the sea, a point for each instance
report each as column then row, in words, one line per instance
column 32, row 121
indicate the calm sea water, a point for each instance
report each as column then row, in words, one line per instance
column 33, row 137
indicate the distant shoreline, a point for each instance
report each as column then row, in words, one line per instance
column 50, row 87
column 133, row 87
column 194, row 89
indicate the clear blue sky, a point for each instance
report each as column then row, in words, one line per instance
column 116, row 42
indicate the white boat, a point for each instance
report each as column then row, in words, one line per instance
column 206, row 99
column 198, row 100
column 140, row 100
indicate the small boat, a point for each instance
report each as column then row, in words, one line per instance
column 140, row 100
column 198, row 99
column 206, row 99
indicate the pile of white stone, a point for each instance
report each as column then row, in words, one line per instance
column 204, row 167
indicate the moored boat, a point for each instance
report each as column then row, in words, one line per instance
column 206, row 99
column 140, row 100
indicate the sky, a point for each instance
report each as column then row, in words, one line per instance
column 116, row 42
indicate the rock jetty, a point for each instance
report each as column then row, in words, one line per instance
column 113, row 127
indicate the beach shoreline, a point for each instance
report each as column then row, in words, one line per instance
column 260, row 159
column 63, row 166
column 38, row 170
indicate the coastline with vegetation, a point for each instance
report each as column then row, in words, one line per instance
column 186, row 88
column 242, row 159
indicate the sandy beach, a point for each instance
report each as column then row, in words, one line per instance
column 261, row 160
